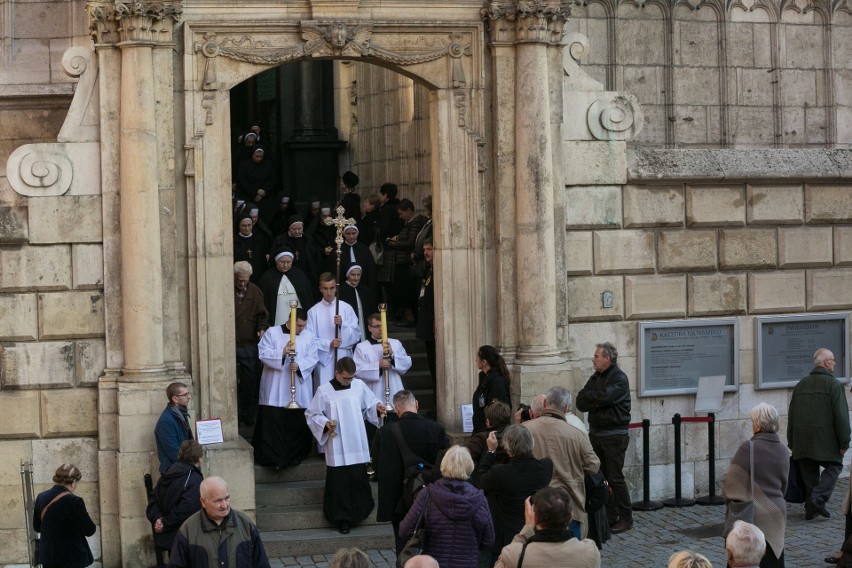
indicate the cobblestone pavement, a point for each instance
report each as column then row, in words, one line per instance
column 657, row 534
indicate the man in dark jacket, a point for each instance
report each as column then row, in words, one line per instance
column 606, row 397
column 818, row 431
column 426, row 439
column 218, row 532
column 250, row 322
column 404, row 282
column 176, row 496
column 173, row 425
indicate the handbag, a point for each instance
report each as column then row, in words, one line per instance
column 414, row 546
column 795, row 485
column 377, row 251
column 742, row 510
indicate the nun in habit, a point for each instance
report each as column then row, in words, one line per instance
column 360, row 297
column 353, row 252
column 281, row 284
column 281, row 436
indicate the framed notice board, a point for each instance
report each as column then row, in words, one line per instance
column 786, row 346
column 674, row 354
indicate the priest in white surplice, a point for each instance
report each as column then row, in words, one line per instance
column 371, row 365
column 336, row 418
column 281, row 435
column 322, row 322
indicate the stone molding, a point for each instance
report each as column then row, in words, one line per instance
column 136, row 22
column 517, row 21
column 717, row 165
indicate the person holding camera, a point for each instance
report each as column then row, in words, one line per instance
column 508, row 485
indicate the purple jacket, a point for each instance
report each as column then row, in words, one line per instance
column 458, row 522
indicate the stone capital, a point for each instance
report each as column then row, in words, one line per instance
column 526, row 21
column 135, row 22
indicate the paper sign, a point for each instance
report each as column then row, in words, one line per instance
column 209, row 431
column 466, row 417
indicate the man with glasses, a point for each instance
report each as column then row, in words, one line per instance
column 818, row 431
column 173, row 425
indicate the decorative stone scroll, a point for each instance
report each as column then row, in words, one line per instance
column 82, row 123
column 614, row 116
column 40, row 170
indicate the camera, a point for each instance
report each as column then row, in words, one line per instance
column 525, row 412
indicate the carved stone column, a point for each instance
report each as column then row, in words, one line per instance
column 532, row 28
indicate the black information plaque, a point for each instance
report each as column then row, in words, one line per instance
column 786, row 346
column 674, row 354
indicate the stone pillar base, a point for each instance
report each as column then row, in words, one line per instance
column 529, row 381
column 234, row 462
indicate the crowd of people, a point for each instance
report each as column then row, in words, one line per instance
column 520, row 491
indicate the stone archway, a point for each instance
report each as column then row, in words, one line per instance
column 448, row 61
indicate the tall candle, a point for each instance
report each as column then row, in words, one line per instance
column 383, row 309
column 293, row 305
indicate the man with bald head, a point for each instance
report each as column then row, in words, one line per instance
column 218, row 534
column 421, row 561
column 818, row 431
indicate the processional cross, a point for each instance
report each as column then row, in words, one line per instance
column 340, row 222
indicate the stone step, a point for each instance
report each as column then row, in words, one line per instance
column 297, row 517
column 294, row 493
column 313, row 468
column 308, row 542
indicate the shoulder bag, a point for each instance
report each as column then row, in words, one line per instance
column 414, row 546
column 742, row 510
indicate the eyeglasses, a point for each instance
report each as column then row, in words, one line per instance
column 374, row 325
column 183, row 394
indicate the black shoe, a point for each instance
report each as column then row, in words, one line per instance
column 343, row 528
column 621, row 526
column 812, row 510
column 832, row 559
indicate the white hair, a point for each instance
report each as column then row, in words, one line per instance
column 765, row 416
column 746, row 543
column 822, row 355
column 243, row 267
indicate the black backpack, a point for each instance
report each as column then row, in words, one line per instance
column 418, row 472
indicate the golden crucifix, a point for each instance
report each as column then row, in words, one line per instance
column 340, row 222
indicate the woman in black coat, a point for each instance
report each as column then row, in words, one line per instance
column 493, row 384
column 177, row 495
column 508, row 485
column 64, row 523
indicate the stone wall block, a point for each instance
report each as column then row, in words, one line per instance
column 132, row 497
column 747, row 249
column 593, row 207
column 65, row 219
column 805, row 247
column 18, row 317
column 624, row 252
column 12, row 453
column 687, row 250
column 716, row 294
column 594, row 163
column 842, row 246
column 582, row 338
column 655, row 296
column 20, row 412
column 750, row 397
column 65, row 315
column 775, row 204
column 732, row 433
column 828, row 203
column 14, row 549
column 578, row 253
column 49, row 453
column 136, row 432
column 13, row 225
column 776, row 292
column 87, row 266
column 829, row 289
column 90, row 360
column 35, row 268
column 584, row 298
column 653, row 206
column 34, row 365
column 69, row 412
column 718, row 206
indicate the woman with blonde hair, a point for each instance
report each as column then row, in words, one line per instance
column 454, row 513
column 688, row 559
column 63, row 521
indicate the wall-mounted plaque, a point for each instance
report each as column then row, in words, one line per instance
column 786, row 346
column 674, row 354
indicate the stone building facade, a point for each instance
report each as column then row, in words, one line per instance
column 691, row 157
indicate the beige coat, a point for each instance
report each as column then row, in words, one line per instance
column 572, row 456
column 572, row 553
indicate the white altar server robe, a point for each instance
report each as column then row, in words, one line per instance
column 321, row 326
column 275, row 379
column 349, row 407
column 367, row 357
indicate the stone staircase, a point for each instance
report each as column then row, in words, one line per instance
column 290, row 519
column 289, row 502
